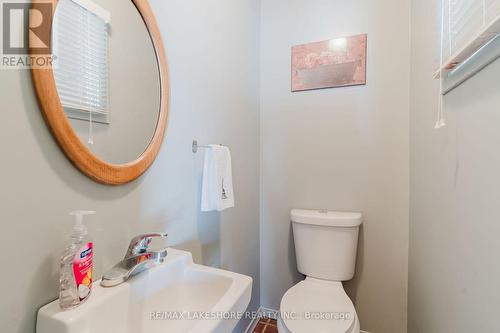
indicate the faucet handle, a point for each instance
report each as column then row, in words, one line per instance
column 140, row 244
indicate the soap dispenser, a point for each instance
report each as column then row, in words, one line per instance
column 75, row 282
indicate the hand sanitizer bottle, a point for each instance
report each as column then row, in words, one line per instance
column 75, row 280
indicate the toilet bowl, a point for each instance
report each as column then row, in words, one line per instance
column 317, row 306
column 325, row 245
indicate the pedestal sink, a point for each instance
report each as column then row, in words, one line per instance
column 177, row 296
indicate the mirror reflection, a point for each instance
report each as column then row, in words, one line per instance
column 107, row 76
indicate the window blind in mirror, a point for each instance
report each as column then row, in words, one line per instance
column 80, row 47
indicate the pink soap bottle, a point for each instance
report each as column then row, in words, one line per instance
column 75, row 282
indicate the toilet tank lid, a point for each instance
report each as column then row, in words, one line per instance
column 326, row 218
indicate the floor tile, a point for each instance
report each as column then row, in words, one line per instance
column 266, row 325
column 259, row 328
column 271, row 329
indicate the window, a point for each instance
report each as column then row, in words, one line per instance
column 80, row 45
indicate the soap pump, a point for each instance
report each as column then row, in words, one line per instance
column 76, row 265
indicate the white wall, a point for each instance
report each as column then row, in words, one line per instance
column 455, row 191
column 342, row 149
column 213, row 53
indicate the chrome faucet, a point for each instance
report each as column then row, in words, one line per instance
column 137, row 259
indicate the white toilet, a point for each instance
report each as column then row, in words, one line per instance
column 325, row 245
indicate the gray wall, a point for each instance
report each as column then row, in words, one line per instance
column 342, row 149
column 455, row 193
column 213, row 54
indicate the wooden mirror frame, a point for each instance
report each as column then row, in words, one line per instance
column 58, row 123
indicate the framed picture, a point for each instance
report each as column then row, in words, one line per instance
column 338, row 62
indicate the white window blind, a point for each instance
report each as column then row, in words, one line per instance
column 463, row 18
column 467, row 26
column 469, row 42
column 80, row 45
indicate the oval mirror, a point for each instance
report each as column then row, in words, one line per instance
column 105, row 97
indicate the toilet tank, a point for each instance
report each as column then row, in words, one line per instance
column 326, row 243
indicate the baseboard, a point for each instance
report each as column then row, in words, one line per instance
column 253, row 322
column 268, row 313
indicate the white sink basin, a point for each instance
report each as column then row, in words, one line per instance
column 177, row 296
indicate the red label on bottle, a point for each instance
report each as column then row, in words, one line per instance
column 82, row 268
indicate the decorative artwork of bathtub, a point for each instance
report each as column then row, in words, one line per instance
column 338, row 62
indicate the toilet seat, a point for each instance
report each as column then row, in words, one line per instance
column 317, row 306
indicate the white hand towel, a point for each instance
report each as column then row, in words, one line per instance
column 217, row 188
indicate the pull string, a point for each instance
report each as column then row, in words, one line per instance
column 440, row 122
column 91, row 106
column 91, row 134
